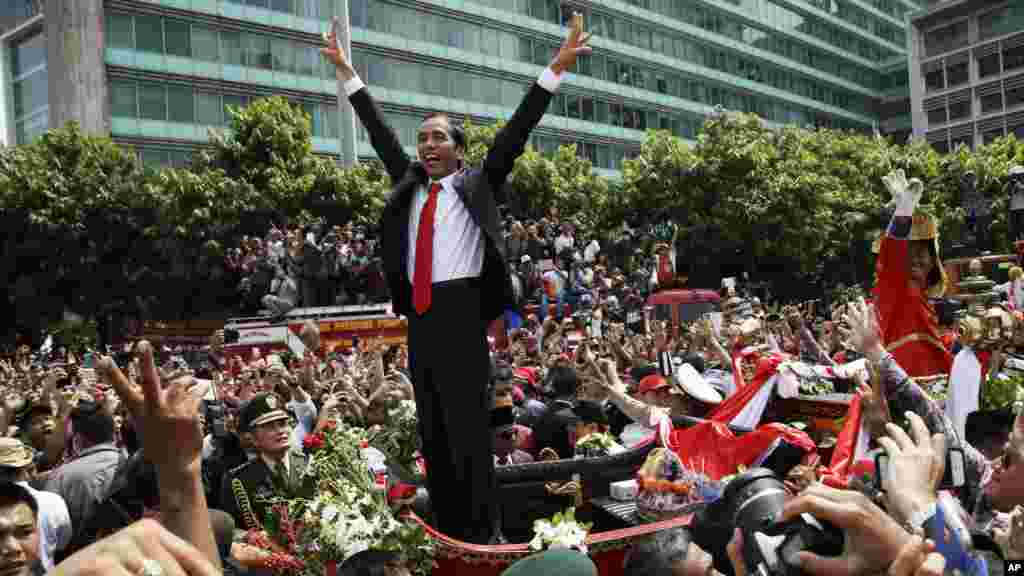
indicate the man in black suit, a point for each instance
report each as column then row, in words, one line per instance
column 443, row 255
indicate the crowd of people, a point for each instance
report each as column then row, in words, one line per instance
column 77, row 437
column 313, row 265
column 307, row 266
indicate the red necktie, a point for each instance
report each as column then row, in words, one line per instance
column 424, row 272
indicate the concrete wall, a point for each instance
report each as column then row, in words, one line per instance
column 75, row 46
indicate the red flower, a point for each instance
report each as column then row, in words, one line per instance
column 364, row 444
column 313, row 441
column 400, row 492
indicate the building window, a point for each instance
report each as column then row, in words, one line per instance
column 991, row 103
column 937, row 116
column 149, row 33
column 180, row 104
column 178, row 38
column 231, row 48
column 934, row 80
column 283, row 52
column 209, row 110
column 257, row 54
column 959, row 110
column 957, row 70
column 1014, row 97
column 29, row 88
column 1001, row 21
column 152, row 102
column 990, row 136
column 122, row 100
column 989, row 65
column 205, row 44
column 1013, row 58
column 119, row 31
column 945, row 39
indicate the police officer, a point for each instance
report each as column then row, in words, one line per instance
column 275, row 472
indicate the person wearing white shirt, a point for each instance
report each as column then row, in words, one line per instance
column 442, row 251
column 53, row 518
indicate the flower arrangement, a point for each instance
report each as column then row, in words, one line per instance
column 400, row 439
column 348, row 513
column 561, row 531
column 597, row 444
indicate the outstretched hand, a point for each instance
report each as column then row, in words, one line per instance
column 162, row 413
column 336, row 54
column 863, row 333
column 576, row 43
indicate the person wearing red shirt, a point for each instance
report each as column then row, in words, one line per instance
column 909, row 271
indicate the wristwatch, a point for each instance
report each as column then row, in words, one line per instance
column 915, row 523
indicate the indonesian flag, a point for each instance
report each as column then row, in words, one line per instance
column 850, row 456
column 712, row 449
column 746, row 406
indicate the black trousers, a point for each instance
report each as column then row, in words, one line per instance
column 1017, row 225
column 450, row 366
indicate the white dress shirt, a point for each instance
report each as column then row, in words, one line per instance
column 458, row 241
column 54, row 524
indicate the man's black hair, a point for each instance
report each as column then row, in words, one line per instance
column 696, row 360
column 455, row 129
column 93, row 423
column 11, row 493
column 655, row 556
column 562, row 381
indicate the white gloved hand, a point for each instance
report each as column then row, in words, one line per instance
column 905, row 193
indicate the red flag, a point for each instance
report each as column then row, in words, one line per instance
column 712, row 449
column 849, row 456
column 734, row 405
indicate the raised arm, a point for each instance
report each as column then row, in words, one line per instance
column 382, row 137
column 510, row 141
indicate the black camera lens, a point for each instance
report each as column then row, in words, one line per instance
column 755, row 499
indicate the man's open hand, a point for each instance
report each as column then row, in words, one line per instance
column 576, row 43
column 336, row 55
column 162, row 414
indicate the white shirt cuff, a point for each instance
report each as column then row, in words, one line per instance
column 549, row 80
column 353, row 85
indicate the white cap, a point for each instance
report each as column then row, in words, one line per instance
column 695, row 385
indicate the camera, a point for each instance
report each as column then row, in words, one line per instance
column 752, row 502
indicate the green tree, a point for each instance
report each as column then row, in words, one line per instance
column 72, row 208
column 564, row 181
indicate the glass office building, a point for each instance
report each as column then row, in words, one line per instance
column 173, row 66
column 967, row 72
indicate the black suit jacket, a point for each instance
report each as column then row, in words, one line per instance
column 481, row 190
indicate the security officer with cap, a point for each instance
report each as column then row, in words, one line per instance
column 275, row 472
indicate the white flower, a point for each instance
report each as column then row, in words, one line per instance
column 329, row 513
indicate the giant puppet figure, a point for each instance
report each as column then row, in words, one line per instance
column 909, row 272
column 443, row 255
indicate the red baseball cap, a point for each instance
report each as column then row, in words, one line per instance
column 651, row 382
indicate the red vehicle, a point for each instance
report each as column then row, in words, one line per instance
column 683, row 305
